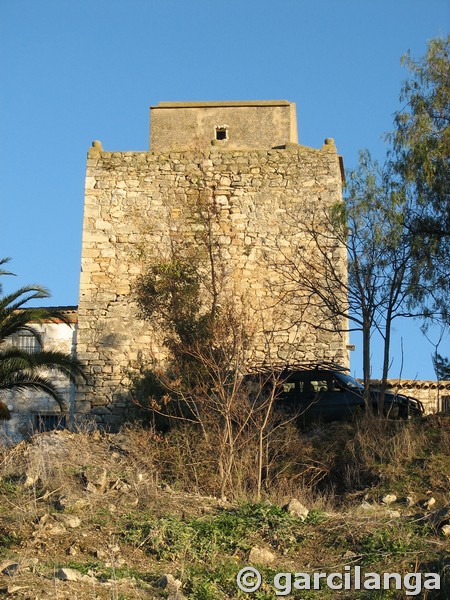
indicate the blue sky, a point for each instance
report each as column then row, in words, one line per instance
column 72, row 72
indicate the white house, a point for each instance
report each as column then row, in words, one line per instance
column 33, row 410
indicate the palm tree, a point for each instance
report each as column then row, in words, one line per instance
column 19, row 369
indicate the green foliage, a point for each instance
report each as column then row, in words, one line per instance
column 7, row 539
column 442, row 367
column 9, row 486
column 422, row 138
column 399, row 539
column 82, row 567
column 214, row 547
column 421, row 144
column 203, row 538
column 398, row 216
column 218, row 582
column 170, row 293
column 104, row 573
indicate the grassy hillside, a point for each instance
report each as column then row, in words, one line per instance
column 120, row 511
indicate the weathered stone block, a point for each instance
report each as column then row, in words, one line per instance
column 100, row 410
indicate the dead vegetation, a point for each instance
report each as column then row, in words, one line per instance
column 119, row 511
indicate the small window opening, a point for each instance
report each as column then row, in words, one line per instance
column 26, row 341
column 49, row 422
column 221, row 133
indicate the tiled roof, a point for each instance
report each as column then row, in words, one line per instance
column 415, row 384
column 70, row 313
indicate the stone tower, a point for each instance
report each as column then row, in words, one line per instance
column 244, row 160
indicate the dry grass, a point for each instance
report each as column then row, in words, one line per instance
column 155, row 484
column 327, row 466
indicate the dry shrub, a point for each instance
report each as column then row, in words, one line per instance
column 53, row 465
column 140, row 449
column 379, row 446
column 323, row 467
column 190, row 462
column 335, row 463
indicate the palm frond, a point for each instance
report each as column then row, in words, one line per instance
column 3, row 261
column 13, row 321
column 25, row 380
column 21, row 370
column 11, row 327
column 25, row 294
column 13, row 360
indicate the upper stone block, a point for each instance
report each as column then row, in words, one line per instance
column 261, row 124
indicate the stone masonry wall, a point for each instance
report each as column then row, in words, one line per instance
column 135, row 199
column 434, row 395
column 256, row 124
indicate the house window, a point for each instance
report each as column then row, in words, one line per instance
column 446, row 403
column 49, row 422
column 222, row 132
column 25, row 340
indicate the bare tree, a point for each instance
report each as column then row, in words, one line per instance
column 202, row 383
column 208, row 331
column 370, row 228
